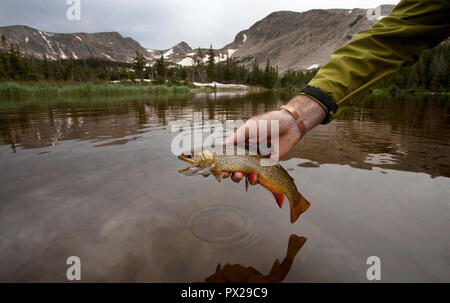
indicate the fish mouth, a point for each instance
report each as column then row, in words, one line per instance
column 186, row 158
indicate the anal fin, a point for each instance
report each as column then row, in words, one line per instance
column 279, row 198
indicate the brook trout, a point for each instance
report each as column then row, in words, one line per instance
column 269, row 174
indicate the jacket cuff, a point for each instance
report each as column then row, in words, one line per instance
column 323, row 99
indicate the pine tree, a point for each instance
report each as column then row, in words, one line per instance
column 139, row 64
column 45, row 69
column 3, row 41
column 210, row 70
column 199, row 57
column 68, row 69
column 269, row 78
column 161, row 70
column 3, row 70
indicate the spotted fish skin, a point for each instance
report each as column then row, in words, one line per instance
column 269, row 174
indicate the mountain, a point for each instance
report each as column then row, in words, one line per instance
column 109, row 45
column 291, row 40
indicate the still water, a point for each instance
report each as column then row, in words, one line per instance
column 96, row 179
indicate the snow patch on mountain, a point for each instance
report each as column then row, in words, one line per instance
column 48, row 42
column 109, row 57
column 188, row 61
column 63, row 55
column 231, row 51
column 167, row 54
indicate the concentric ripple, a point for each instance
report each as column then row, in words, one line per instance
column 222, row 225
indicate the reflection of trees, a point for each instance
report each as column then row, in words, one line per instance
column 412, row 131
column 40, row 123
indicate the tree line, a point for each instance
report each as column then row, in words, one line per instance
column 431, row 72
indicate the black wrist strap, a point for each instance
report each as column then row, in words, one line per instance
column 323, row 97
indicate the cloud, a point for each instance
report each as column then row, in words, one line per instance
column 161, row 24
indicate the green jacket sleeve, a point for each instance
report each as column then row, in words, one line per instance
column 395, row 40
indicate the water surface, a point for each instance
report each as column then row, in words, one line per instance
column 95, row 178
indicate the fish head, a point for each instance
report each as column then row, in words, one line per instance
column 201, row 160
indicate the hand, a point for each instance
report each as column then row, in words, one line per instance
column 289, row 131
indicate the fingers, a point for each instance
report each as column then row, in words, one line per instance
column 237, row 177
column 247, row 133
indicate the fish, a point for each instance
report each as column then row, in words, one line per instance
column 256, row 168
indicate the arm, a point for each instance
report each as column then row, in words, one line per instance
column 396, row 40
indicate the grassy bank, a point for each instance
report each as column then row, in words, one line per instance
column 11, row 90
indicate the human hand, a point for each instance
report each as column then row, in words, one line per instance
column 289, row 132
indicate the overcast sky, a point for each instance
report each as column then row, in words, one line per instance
column 160, row 24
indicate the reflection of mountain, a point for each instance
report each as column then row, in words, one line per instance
column 237, row 273
column 406, row 133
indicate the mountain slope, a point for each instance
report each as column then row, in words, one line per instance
column 293, row 40
column 108, row 45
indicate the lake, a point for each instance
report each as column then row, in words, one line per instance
column 96, row 178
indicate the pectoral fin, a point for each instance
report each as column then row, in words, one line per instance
column 218, row 175
column 204, row 171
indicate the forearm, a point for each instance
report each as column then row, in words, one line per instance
column 309, row 111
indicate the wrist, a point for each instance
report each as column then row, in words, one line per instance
column 309, row 111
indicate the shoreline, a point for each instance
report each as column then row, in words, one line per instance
column 19, row 90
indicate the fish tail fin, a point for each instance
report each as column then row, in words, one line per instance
column 298, row 205
column 294, row 245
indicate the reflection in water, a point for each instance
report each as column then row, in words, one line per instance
column 237, row 273
column 408, row 133
column 95, row 178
